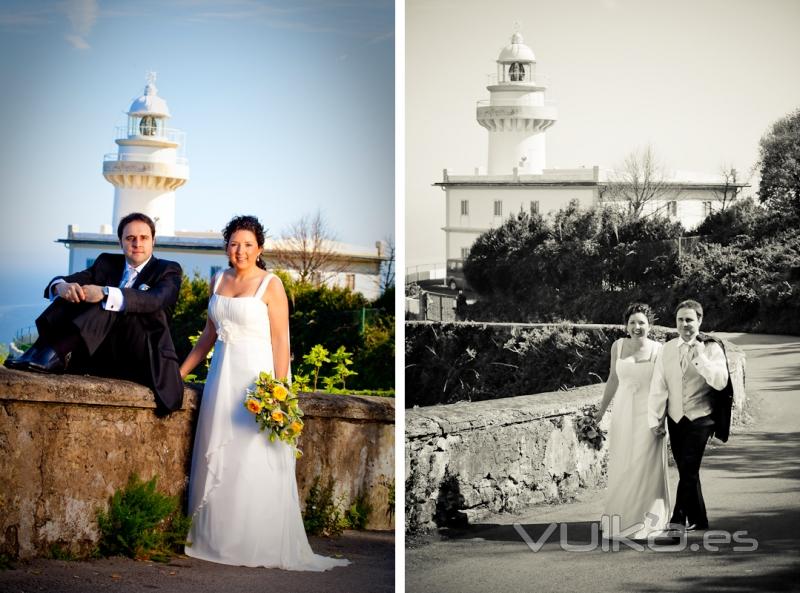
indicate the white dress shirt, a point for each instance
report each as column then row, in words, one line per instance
column 677, row 392
column 116, row 299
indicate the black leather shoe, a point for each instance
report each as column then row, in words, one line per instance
column 44, row 360
column 21, row 362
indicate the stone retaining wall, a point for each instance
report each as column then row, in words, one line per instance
column 470, row 459
column 68, row 442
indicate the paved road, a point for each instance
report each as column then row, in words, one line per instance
column 751, row 486
column 371, row 571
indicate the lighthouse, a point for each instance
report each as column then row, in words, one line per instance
column 516, row 114
column 149, row 164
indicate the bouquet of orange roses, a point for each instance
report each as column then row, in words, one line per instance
column 277, row 410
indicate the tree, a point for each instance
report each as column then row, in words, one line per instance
column 388, row 266
column 307, row 247
column 639, row 181
column 780, row 166
column 731, row 188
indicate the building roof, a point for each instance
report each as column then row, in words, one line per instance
column 589, row 176
column 516, row 51
column 149, row 103
column 213, row 242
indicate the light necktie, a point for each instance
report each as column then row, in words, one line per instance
column 685, row 349
column 128, row 277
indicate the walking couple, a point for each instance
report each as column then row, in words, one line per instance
column 685, row 382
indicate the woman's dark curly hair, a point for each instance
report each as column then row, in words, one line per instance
column 245, row 223
column 642, row 308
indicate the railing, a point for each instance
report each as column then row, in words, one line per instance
column 26, row 335
column 512, row 103
column 147, row 158
column 169, row 134
column 425, row 272
column 538, row 80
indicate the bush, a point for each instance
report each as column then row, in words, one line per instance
column 322, row 515
column 446, row 363
column 142, row 523
column 332, row 317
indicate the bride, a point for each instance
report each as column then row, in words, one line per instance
column 637, row 501
column 243, row 497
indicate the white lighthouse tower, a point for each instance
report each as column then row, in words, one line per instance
column 516, row 114
column 149, row 164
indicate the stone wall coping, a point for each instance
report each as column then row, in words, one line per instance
column 422, row 423
column 98, row 391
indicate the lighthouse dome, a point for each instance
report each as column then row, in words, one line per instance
column 516, row 51
column 149, row 103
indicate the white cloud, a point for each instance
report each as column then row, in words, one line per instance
column 77, row 41
column 82, row 14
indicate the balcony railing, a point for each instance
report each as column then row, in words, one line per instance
column 146, row 158
column 512, row 103
column 169, row 134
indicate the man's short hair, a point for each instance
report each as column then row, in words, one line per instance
column 135, row 216
column 690, row 304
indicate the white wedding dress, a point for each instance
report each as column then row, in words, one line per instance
column 638, row 491
column 242, row 491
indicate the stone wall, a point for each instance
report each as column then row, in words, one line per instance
column 470, row 459
column 68, row 442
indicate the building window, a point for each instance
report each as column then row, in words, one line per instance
column 516, row 72
column 213, row 271
column 498, row 207
column 464, row 207
column 672, row 208
column 464, row 252
column 90, row 261
column 534, row 207
column 706, row 208
column 350, row 281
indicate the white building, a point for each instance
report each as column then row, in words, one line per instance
column 149, row 166
column 517, row 116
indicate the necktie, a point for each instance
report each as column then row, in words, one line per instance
column 685, row 349
column 128, row 277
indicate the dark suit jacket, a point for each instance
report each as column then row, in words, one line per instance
column 721, row 400
column 146, row 310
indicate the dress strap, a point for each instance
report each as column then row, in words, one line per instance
column 217, row 281
column 263, row 286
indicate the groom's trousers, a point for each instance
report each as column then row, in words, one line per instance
column 688, row 439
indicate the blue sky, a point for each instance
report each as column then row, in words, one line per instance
column 287, row 106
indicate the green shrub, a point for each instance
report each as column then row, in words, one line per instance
column 322, row 515
column 358, row 512
column 331, row 317
column 142, row 523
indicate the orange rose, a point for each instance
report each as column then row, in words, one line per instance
column 280, row 392
column 278, row 416
column 254, row 405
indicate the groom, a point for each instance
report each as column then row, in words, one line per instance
column 690, row 372
column 112, row 318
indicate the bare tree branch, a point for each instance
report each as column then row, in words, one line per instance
column 639, row 181
column 387, row 277
column 307, row 248
column 733, row 186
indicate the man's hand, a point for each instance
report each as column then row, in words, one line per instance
column 93, row 293
column 71, row 291
column 699, row 349
column 658, row 431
